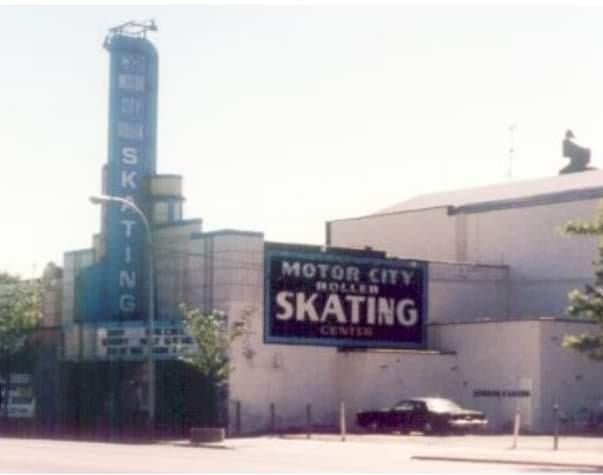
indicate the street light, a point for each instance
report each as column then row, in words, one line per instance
column 100, row 199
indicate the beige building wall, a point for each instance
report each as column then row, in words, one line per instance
column 172, row 270
column 289, row 377
column 458, row 289
column 521, row 355
column 568, row 378
column 460, row 292
column 495, row 356
column 376, row 379
column 225, row 272
column 544, row 265
column 427, row 234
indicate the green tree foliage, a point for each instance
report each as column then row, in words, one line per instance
column 8, row 278
column 213, row 338
column 20, row 312
column 587, row 304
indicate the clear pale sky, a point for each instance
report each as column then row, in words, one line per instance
column 283, row 117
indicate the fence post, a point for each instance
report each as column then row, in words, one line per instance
column 516, row 424
column 238, row 417
column 556, row 421
column 308, row 420
column 342, row 420
column 272, row 419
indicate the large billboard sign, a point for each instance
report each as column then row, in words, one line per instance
column 132, row 140
column 340, row 299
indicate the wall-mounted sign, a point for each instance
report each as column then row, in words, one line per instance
column 343, row 299
column 501, row 393
column 19, row 398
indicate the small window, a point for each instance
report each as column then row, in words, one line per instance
column 177, row 207
column 160, row 213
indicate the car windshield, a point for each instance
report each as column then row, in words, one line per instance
column 442, row 405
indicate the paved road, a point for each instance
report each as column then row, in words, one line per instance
column 297, row 454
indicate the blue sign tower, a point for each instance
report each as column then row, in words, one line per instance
column 131, row 163
column 114, row 290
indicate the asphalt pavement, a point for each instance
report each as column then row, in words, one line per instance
column 572, row 453
column 325, row 453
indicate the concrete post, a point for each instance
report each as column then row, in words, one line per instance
column 556, row 422
column 516, row 424
column 342, row 420
column 308, row 420
column 238, row 417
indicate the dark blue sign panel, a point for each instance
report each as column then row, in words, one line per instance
column 344, row 300
column 132, row 144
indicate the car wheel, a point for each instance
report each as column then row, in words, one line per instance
column 427, row 428
column 374, row 426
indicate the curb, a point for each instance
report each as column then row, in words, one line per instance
column 509, row 462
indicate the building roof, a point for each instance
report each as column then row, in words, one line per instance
column 575, row 186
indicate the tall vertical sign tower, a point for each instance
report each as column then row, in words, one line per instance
column 131, row 163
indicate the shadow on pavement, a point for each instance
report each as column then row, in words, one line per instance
column 542, row 465
column 201, row 446
column 560, row 470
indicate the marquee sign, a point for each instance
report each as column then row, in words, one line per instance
column 129, row 341
column 345, row 300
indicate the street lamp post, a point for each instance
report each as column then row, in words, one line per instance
column 100, row 199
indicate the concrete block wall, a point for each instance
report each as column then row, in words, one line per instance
column 427, row 234
column 379, row 379
column 544, row 264
column 289, row 377
column 568, row 378
column 460, row 292
column 496, row 356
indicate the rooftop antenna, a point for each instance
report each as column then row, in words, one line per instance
column 511, row 130
column 133, row 29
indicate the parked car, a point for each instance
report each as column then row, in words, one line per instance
column 429, row 415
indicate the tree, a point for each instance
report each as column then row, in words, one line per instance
column 20, row 313
column 588, row 303
column 213, row 338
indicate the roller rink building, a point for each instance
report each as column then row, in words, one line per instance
column 460, row 294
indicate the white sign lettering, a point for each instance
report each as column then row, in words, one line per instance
column 354, row 309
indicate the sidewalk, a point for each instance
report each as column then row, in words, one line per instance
column 296, row 454
column 573, row 453
column 567, row 460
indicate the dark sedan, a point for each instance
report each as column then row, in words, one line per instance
column 429, row 415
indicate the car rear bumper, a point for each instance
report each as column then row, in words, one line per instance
column 468, row 424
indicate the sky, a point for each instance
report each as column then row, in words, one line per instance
column 282, row 117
